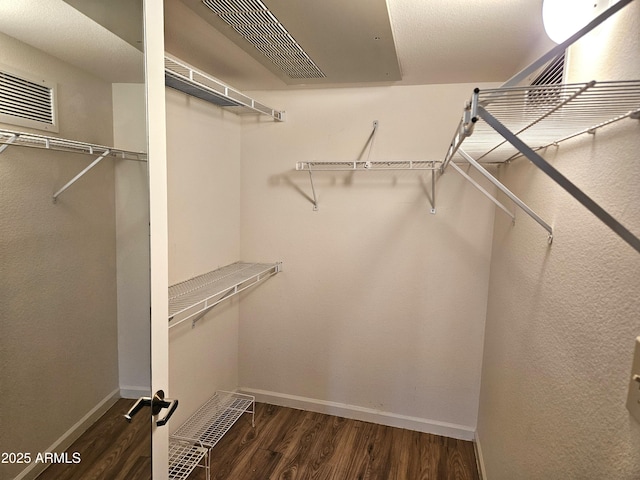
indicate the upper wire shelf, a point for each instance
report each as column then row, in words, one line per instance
column 197, row 295
column 23, row 139
column 545, row 115
column 10, row 138
column 185, row 78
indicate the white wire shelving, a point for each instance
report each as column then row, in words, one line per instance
column 206, row 427
column 371, row 166
column 187, row 79
column 503, row 124
column 394, row 165
column 544, row 115
column 184, row 457
column 195, row 296
column 10, row 138
column 513, row 121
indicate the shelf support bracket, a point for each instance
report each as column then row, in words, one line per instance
column 561, row 180
column 507, row 192
column 313, row 190
column 78, row 176
column 433, row 191
column 12, row 139
column 483, row 191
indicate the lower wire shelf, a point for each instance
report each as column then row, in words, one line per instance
column 204, row 429
column 184, row 457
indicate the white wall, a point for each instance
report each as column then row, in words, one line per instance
column 132, row 240
column 58, row 347
column 379, row 310
column 562, row 320
column 203, row 155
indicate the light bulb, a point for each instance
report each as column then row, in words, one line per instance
column 563, row 18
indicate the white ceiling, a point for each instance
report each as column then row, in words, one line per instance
column 436, row 41
column 55, row 27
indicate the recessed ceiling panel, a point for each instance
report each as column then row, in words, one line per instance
column 254, row 22
column 310, row 42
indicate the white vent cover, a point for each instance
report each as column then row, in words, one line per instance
column 548, row 84
column 258, row 26
column 553, row 74
column 27, row 102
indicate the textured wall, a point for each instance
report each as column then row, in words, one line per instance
column 380, row 305
column 203, row 156
column 562, row 320
column 58, row 348
column 132, row 240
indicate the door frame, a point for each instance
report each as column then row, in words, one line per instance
column 159, row 270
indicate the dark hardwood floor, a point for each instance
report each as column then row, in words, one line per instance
column 111, row 449
column 289, row 444
column 286, row 444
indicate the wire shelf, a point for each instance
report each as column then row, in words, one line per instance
column 546, row 115
column 184, row 457
column 185, row 78
column 22, row 139
column 197, row 295
column 394, row 165
column 214, row 419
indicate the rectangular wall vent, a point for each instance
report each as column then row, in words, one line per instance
column 553, row 74
column 252, row 20
column 26, row 101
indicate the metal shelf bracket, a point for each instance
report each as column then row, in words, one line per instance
column 79, row 175
column 6, row 145
column 507, row 192
column 561, row 180
column 483, row 191
column 35, row 141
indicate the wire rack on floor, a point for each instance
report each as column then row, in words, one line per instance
column 209, row 424
column 184, row 457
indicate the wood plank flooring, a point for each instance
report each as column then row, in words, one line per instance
column 289, row 444
column 286, row 444
column 111, row 449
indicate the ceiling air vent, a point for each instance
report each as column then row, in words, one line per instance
column 258, row 26
column 27, row 102
column 547, row 86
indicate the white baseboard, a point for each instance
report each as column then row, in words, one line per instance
column 71, row 435
column 479, row 458
column 364, row 414
column 133, row 393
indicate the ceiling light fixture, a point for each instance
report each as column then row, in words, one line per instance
column 563, row 18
